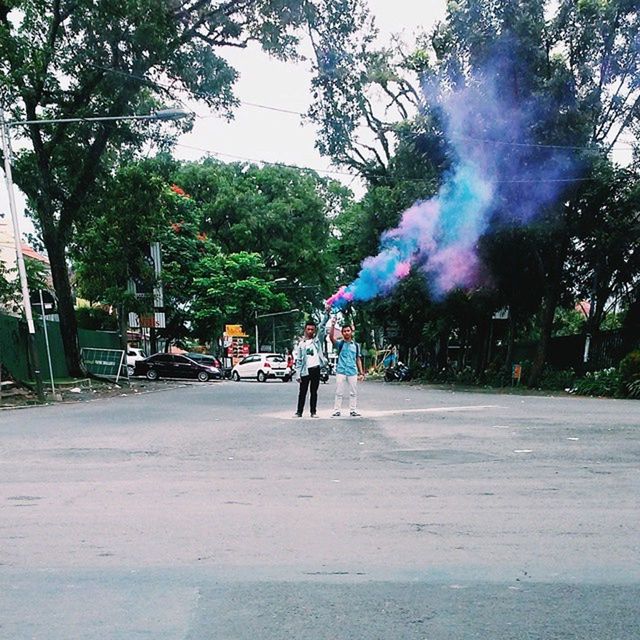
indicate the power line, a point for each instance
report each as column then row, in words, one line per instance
column 534, row 144
column 197, row 94
column 351, row 175
column 258, row 105
column 258, row 161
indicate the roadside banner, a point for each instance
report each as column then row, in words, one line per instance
column 104, row 363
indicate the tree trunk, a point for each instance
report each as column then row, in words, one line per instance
column 549, row 304
column 511, row 338
column 547, row 314
column 482, row 343
column 551, row 296
column 442, row 356
column 68, row 322
column 631, row 324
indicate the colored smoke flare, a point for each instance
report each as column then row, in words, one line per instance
column 498, row 177
column 437, row 236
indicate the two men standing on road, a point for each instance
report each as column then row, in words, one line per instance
column 310, row 358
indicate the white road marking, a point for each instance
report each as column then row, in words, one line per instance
column 286, row 415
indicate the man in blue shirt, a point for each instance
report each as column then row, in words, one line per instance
column 348, row 369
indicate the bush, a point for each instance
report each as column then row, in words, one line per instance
column 629, row 368
column 633, row 389
column 496, row 376
column 466, row 376
column 557, row 379
column 606, row 382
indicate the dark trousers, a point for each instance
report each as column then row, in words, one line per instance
column 312, row 379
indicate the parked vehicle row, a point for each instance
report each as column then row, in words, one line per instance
column 203, row 367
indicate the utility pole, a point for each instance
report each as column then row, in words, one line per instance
column 26, row 302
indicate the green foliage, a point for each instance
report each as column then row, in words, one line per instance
column 9, row 287
column 128, row 212
column 612, row 322
column 568, row 322
column 37, row 274
column 633, row 389
column 496, row 375
column 279, row 212
column 606, row 382
column 96, row 318
column 208, row 218
column 575, row 60
column 629, row 368
column 557, row 379
column 232, row 289
column 122, row 58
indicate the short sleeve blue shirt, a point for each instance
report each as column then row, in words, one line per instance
column 347, row 354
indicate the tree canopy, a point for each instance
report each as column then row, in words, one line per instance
column 567, row 77
column 68, row 59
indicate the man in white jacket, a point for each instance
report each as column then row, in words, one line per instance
column 310, row 358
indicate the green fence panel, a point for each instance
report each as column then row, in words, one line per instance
column 99, row 339
column 13, row 347
column 56, row 350
column 14, row 351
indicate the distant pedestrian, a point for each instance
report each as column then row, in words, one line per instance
column 309, row 359
column 349, row 369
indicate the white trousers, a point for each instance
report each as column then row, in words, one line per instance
column 343, row 381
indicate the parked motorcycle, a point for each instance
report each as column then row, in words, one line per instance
column 399, row 373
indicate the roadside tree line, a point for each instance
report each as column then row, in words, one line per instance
column 230, row 231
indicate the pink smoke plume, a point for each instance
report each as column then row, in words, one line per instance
column 499, row 175
column 436, row 236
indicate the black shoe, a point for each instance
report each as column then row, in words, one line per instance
column 314, row 415
column 297, row 415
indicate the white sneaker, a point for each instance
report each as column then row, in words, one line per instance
column 335, row 414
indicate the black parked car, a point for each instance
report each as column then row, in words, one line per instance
column 206, row 359
column 168, row 365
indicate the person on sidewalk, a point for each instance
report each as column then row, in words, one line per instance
column 349, row 368
column 309, row 359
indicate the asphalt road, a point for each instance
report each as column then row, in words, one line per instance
column 209, row 511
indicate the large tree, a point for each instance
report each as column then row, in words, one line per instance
column 582, row 64
column 68, row 58
column 577, row 62
column 281, row 213
column 203, row 213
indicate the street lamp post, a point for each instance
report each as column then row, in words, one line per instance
column 163, row 114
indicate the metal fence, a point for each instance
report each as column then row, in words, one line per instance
column 606, row 349
column 14, row 351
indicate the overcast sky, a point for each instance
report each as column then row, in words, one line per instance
column 261, row 134
column 275, row 136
